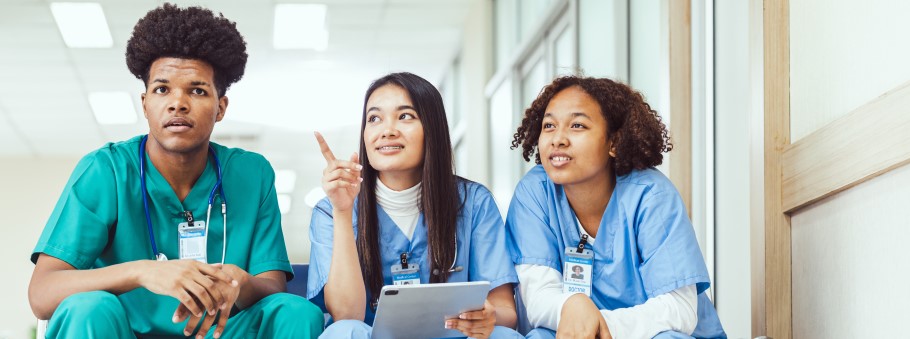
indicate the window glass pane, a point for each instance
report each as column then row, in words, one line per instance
column 531, row 85
column 532, row 13
column 505, row 35
column 503, row 161
column 564, row 52
column 449, row 90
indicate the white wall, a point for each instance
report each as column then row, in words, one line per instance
column 850, row 267
column 603, row 44
column 476, row 68
column 733, row 111
column 843, row 54
column 29, row 188
column 849, row 251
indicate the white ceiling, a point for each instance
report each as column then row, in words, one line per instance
column 283, row 97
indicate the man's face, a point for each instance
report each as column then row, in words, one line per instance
column 181, row 104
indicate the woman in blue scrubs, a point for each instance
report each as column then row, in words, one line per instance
column 410, row 204
column 595, row 200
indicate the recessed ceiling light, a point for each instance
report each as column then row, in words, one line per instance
column 300, row 26
column 82, row 24
column 113, row 108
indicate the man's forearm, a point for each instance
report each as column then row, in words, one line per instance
column 54, row 280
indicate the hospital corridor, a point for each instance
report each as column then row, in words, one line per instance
column 541, row 168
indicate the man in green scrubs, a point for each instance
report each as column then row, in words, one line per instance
column 96, row 273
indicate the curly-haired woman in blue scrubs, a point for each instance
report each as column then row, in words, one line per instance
column 595, row 200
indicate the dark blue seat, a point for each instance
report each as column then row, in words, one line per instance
column 298, row 285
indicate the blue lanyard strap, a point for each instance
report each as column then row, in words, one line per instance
column 145, row 203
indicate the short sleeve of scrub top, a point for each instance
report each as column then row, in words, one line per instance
column 77, row 230
column 321, row 237
column 489, row 257
column 532, row 238
column 670, row 256
column 268, row 251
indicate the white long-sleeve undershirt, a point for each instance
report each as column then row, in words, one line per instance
column 541, row 290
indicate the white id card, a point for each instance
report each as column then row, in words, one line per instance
column 192, row 241
column 577, row 271
column 406, row 276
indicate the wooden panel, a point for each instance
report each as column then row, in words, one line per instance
column 871, row 140
column 777, row 136
column 681, row 98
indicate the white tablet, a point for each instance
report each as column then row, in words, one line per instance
column 420, row 311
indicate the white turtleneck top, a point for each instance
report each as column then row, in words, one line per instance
column 402, row 206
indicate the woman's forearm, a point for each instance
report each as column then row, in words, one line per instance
column 345, row 295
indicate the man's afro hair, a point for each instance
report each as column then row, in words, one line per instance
column 188, row 33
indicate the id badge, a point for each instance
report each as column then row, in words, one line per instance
column 577, row 271
column 406, row 276
column 192, row 241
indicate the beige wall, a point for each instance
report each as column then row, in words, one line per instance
column 29, row 188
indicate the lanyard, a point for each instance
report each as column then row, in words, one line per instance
column 148, row 219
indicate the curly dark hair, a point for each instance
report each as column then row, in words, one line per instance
column 639, row 136
column 188, row 33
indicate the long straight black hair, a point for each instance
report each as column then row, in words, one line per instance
column 439, row 200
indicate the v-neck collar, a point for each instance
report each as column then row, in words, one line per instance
column 396, row 241
column 160, row 190
column 573, row 234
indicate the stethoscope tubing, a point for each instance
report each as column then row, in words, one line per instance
column 219, row 188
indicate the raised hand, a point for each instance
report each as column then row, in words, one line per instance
column 341, row 179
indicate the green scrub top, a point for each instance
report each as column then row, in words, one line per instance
column 99, row 221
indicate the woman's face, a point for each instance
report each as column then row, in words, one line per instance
column 393, row 134
column 573, row 142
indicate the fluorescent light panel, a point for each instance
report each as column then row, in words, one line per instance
column 82, row 24
column 300, row 26
column 285, row 180
column 113, row 108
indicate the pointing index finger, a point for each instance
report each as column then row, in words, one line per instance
column 324, row 147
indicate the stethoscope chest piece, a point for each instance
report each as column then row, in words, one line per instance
column 161, row 257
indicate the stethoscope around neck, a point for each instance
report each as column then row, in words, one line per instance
column 452, row 268
column 219, row 188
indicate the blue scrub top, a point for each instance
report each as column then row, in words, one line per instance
column 645, row 245
column 100, row 221
column 482, row 250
